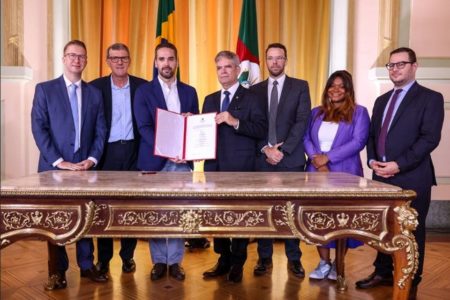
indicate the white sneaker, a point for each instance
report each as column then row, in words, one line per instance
column 333, row 275
column 321, row 271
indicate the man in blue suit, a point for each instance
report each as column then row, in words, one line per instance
column 122, row 139
column 282, row 149
column 405, row 128
column 69, row 128
column 164, row 92
column 241, row 123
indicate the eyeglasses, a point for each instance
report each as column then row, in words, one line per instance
column 277, row 58
column 115, row 59
column 73, row 56
column 399, row 65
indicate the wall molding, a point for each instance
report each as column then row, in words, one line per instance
column 16, row 73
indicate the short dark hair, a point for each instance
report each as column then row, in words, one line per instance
column 228, row 54
column 117, row 46
column 76, row 43
column 277, row 45
column 411, row 53
column 166, row 45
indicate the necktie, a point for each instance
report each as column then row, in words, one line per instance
column 273, row 114
column 381, row 145
column 225, row 102
column 74, row 106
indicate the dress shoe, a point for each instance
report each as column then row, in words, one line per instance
column 235, row 274
column 159, row 271
column 177, row 272
column 297, row 269
column 218, row 270
column 93, row 275
column 56, row 282
column 413, row 293
column 374, row 280
column 263, row 265
column 102, row 268
column 128, row 265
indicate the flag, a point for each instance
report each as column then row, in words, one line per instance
column 165, row 25
column 247, row 45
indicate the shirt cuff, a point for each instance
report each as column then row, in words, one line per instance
column 237, row 126
column 57, row 162
column 93, row 160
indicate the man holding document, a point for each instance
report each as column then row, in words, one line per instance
column 167, row 93
column 242, row 122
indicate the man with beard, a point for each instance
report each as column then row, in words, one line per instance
column 288, row 107
column 241, row 123
column 164, row 92
column 405, row 128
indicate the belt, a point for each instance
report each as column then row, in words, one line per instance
column 123, row 142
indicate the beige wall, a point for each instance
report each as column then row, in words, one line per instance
column 420, row 24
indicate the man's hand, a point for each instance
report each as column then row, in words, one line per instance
column 65, row 165
column 385, row 169
column 86, row 164
column 319, row 160
column 177, row 160
column 226, row 117
column 273, row 153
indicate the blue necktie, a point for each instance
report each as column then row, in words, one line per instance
column 74, row 106
column 226, row 101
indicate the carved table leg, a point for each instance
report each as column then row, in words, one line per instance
column 340, row 265
column 402, row 284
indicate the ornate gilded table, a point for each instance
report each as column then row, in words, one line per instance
column 63, row 206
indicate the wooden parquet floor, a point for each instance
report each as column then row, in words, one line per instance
column 24, row 270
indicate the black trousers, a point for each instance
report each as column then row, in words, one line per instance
column 118, row 156
column 384, row 263
column 232, row 251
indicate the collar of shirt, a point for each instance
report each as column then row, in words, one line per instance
column 68, row 82
column 165, row 86
column 113, row 86
column 232, row 91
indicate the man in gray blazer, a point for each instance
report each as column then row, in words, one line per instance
column 288, row 107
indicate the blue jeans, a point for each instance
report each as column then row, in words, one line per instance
column 168, row 251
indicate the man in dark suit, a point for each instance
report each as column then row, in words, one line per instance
column 288, row 106
column 164, row 92
column 68, row 125
column 242, row 121
column 122, row 139
column 405, row 128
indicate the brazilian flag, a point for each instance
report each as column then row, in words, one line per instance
column 165, row 26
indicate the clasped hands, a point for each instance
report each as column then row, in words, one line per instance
column 273, row 154
column 81, row 166
column 385, row 169
column 319, row 161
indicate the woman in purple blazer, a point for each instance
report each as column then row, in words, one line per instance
column 337, row 132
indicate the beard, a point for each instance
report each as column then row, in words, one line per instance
column 167, row 73
column 276, row 73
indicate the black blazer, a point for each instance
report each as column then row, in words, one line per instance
column 293, row 112
column 236, row 149
column 414, row 133
column 104, row 85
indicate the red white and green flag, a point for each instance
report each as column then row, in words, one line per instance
column 247, row 45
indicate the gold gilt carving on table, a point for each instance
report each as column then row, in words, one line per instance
column 190, row 219
column 325, row 223
column 288, row 219
column 407, row 219
column 62, row 224
column 57, row 220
